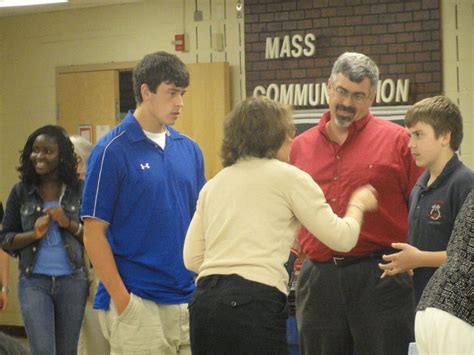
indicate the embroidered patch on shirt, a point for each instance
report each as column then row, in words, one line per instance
column 435, row 211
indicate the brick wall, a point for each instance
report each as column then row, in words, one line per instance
column 402, row 37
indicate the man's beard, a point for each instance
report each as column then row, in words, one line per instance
column 343, row 121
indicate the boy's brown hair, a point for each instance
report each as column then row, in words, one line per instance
column 441, row 114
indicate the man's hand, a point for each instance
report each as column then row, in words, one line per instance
column 101, row 256
column 122, row 302
column 404, row 261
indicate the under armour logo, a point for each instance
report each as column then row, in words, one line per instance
column 145, row 166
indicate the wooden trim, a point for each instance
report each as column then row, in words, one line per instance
column 120, row 66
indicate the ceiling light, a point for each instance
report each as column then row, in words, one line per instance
column 12, row 3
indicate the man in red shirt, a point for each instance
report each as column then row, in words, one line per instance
column 342, row 304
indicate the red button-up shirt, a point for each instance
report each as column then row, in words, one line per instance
column 375, row 152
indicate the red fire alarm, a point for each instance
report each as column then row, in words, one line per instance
column 180, row 43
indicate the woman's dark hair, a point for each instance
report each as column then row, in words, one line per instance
column 256, row 127
column 67, row 167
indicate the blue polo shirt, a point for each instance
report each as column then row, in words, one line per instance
column 433, row 210
column 147, row 195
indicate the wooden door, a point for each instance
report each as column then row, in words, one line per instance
column 92, row 98
column 88, row 98
column 206, row 103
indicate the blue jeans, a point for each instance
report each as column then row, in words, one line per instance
column 52, row 310
column 292, row 335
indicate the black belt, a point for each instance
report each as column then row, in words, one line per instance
column 341, row 260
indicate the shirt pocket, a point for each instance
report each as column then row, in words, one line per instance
column 72, row 209
column 385, row 178
column 29, row 213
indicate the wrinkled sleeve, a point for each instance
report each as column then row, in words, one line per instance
column 200, row 169
column 105, row 169
column 194, row 244
column 311, row 209
column 11, row 221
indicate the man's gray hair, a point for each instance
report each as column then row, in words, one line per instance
column 356, row 67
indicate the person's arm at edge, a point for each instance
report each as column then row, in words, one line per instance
column 194, row 244
column 100, row 254
column 13, row 236
column 5, row 266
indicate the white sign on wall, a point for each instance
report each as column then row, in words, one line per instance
column 290, row 47
column 315, row 94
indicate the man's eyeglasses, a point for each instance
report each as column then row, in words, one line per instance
column 357, row 97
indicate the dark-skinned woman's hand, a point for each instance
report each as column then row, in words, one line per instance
column 41, row 226
column 57, row 213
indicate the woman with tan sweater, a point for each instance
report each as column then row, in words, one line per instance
column 246, row 220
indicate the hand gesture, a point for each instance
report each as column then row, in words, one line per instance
column 403, row 261
column 365, row 198
column 41, row 226
column 57, row 213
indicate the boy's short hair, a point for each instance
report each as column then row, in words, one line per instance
column 156, row 68
column 441, row 114
column 256, row 127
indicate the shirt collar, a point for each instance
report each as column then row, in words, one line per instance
column 354, row 127
column 35, row 189
column 135, row 132
column 451, row 165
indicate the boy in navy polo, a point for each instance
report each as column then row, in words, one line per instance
column 435, row 127
column 142, row 183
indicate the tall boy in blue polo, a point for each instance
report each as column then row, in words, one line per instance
column 142, row 183
column 436, row 131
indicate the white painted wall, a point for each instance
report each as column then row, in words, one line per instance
column 458, row 65
column 33, row 46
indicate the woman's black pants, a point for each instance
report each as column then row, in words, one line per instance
column 231, row 315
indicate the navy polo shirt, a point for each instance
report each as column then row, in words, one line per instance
column 147, row 195
column 433, row 210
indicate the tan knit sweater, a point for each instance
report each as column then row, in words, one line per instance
column 247, row 218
